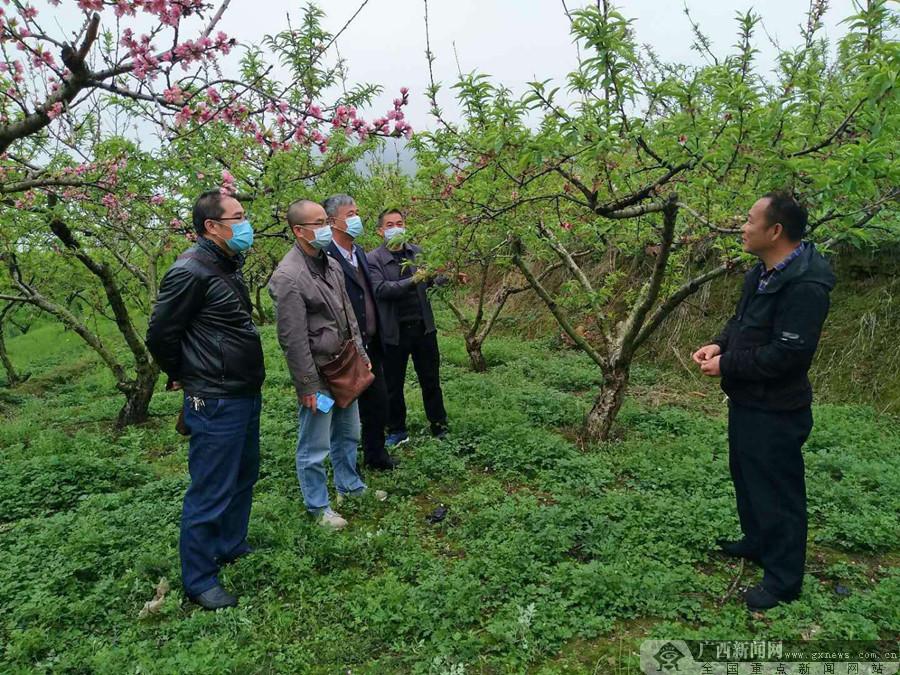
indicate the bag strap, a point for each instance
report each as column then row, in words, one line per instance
column 219, row 272
column 343, row 295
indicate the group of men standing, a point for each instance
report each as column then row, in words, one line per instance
column 327, row 291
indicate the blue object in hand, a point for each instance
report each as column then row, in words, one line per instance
column 324, row 403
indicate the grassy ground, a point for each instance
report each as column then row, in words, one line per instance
column 553, row 558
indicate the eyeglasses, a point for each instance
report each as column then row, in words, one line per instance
column 317, row 224
column 232, row 218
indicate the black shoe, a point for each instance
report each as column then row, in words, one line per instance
column 215, row 598
column 386, row 463
column 759, row 599
column 439, row 431
column 247, row 550
column 738, row 549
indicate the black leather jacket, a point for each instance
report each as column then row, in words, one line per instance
column 200, row 332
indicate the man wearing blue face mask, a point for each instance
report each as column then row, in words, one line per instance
column 315, row 322
column 202, row 335
column 346, row 227
column 408, row 328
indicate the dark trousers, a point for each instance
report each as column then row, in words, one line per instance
column 426, row 360
column 223, row 460
column 766, row 465
column 373, row 409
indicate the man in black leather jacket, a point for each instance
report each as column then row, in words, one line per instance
column 202, row 335
column 763, row 356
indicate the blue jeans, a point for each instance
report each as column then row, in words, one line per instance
column 334, row 433
column 223, row 461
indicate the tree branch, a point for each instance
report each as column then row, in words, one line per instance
column 650, row 291
column 30, row 124
column 643, row 193
column 111, row 289
column 683, row 292
column 569, row 262
column 837, row 132
column 542, row 292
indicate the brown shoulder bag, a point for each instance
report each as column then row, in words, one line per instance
column 347, row 374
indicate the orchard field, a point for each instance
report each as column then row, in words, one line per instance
column 590, row 223
column 554, row 556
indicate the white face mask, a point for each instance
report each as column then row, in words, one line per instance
column 354, row 226
column 392, row 233
column 321, row 238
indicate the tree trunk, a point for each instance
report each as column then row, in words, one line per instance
column 599, row 420
column 260, row 312
column 12, row 377
column 476, row 357
column 138, row 394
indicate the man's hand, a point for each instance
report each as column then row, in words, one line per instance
column 421, row 276
column 174, row 386
column 711, row 367
column 309, row 401
column 706, row 353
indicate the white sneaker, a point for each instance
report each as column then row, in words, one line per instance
column 332, row 519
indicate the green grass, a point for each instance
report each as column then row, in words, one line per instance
column 554, row 557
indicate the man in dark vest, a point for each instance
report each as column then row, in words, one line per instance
column 202, row 335
column 346, row 226
column 763, row 356
column 408, row 327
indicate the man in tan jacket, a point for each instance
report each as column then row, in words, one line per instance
column 314, row 321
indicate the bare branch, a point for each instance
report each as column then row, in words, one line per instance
column 569, row 262
column 554, row 308
column 635, row 211
column 837, row 132
column 685, row 291
column 644, row 192
column 704, row 221
column 650, row 291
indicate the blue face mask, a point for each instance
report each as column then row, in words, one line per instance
column 393, row 233
column 241, row 237
column 354, row 226
column 322, row 238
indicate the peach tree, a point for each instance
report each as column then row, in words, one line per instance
column 110, row 126
column 635, row 183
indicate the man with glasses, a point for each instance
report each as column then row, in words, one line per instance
column 346, row 227
column 313, row 325
column 202, row 335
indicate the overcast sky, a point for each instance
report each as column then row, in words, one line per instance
column 515, row 41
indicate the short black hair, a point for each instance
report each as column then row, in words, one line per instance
column 786, row 209
column 207, row 207
column 388, row 212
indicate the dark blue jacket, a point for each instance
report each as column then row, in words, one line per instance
column 769, row 343
column 354, row 290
